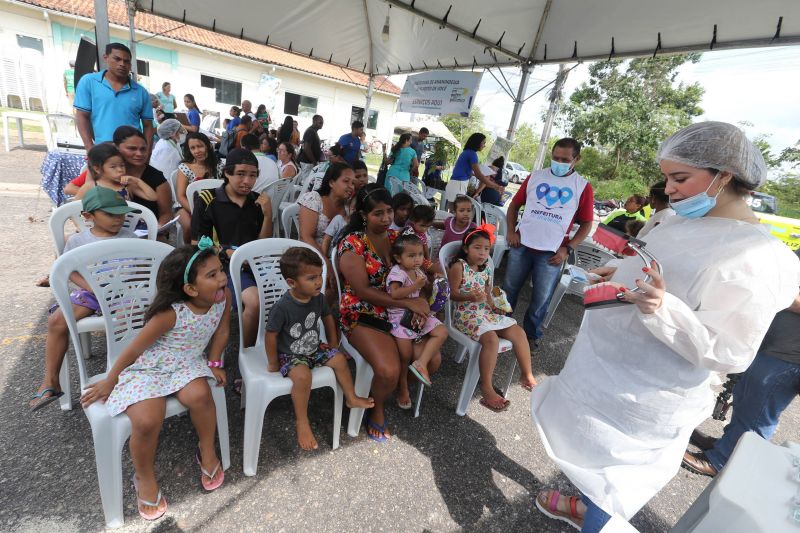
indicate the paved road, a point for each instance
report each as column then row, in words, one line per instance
column 441, row 472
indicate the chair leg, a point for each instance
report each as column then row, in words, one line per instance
column 66, row 386
column 218, row 393
column 364, row 375
column 461, row 352
column 418, row 399
column 253, row 426
column 338, row 397
column 470, row 381
column 510, row 375
column 86, row 344
column 558, row 294
column 108, row 445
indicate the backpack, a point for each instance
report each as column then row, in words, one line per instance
column 226, row 142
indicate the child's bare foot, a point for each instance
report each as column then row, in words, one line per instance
column 305, row 437
column 357, row 402
column 527, row 383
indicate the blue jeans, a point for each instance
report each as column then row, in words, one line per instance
column 524, row 264
column 766, row 388
column 595, row 518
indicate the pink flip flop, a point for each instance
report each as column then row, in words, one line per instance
column 213, row 483
column 140, row 503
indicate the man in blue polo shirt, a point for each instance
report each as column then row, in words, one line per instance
column 109, row 99
column 351, row 142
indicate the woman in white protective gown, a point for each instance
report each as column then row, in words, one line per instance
column 618, row 417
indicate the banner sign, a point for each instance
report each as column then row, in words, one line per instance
column 442, row 92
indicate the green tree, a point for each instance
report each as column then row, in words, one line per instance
column 791, row 155
column 526, row 142
column 787, row 191
column 625, row 110
column 463, row 127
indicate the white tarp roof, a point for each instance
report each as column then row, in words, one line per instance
column 506, row 32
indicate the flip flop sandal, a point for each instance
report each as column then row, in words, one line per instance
column 496, row 407
column 550, row 508
column 211, row 484
column 405, row 406
column 152, row 515
column 45, row 400
column 420, row 377
column 377, row 427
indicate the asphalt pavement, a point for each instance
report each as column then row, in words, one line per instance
column 440, row 472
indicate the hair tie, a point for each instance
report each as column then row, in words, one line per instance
column 486, row 228
column 204, row 243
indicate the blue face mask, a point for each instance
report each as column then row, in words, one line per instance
column 698, row 205
column 560, row 169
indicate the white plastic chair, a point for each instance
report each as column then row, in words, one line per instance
column 588, row 255
column 58, row 219
column 470, row 347
column 494, row 215
column 277, row 191
column 199, row 185
column 64, row 132
column 290, row 218
column 477, row 210
column 173, row 185
column 122, row 274
column 268, row 173
column 260, row 387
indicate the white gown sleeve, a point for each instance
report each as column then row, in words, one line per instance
column 736, row 306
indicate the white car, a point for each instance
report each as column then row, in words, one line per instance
column 516, row 173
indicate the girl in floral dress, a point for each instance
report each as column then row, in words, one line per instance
column 187, row 315
column 470, row 276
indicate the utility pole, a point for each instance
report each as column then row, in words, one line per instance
column 552, row 110
column 132, row 32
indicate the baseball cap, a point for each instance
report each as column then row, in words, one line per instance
column 239, row 156
column 105, row 199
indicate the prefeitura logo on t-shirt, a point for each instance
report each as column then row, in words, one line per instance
column 554, row 197
column 551, row 203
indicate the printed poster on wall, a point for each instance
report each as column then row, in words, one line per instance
column 441, row 92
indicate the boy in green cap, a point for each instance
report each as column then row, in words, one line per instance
column 104, row 209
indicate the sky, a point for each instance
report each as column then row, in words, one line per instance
column 760, row 86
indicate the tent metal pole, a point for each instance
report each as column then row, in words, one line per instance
column 518, row 101
column 101, row 31
column 552, row 111
column 370, row 89
column 132, row 33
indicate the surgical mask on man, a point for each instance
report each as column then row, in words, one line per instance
column 698, row 205
column 560, row 169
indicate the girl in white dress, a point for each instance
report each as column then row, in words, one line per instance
column 167, row 358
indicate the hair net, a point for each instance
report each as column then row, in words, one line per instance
column 717, row 145
column 168, row 128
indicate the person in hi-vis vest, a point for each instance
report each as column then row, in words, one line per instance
column 554, row 198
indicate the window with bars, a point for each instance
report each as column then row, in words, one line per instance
column 227, row 91
column 299, row 105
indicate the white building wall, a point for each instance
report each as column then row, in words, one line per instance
column 334, row 99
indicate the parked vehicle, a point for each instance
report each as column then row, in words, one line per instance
column 516, row 173
column 786, row 229
column 603, row 207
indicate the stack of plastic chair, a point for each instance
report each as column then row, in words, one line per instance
column 59, row 217
column 31, row 68
column 468, row 346
column 260, row 386
column 10, row 84
column 122, row 275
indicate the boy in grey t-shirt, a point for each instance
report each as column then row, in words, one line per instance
column 105, row 210
column 292, row 339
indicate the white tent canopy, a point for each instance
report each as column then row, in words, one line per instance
column 435, row 34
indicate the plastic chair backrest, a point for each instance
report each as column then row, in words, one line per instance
column 263, row 256
column 477, row 210
column 72, row 211
column 494, row 215
column 588, row 257
column 276, row 192
column 446, row 253
column 335, row 266
column 290, row 217
column 271, row 172
column 122, row 276
column 199, row 185
column 173, row 186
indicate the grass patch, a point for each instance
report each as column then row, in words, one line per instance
column 26, row 125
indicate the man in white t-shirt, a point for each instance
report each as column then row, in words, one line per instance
column 554, row 199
